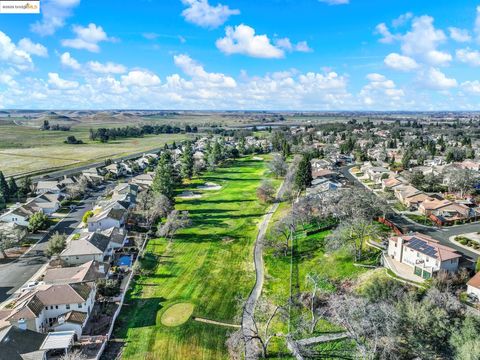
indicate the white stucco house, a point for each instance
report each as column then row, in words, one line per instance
column 425, row 255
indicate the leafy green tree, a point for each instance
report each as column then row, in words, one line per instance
column 38, row 221
column 164, row 181
column 13, row 188
column 466, row 340
column 303, row 177
column 187, row 161
column 56, row 244
column 87, row 216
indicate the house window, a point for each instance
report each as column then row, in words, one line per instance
column 56, row 306
column 79, row 306
column 67, row 306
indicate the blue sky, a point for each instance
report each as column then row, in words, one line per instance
column 244, row 54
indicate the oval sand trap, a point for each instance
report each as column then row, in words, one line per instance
column 177, row 314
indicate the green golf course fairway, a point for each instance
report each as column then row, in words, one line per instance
column 208, row 265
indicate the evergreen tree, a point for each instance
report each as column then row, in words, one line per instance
column 26, row 185
column 4, row 190
column 187, row 161
column 12, row 188
column 303, row 177
column 3, row 201
column 164, row 181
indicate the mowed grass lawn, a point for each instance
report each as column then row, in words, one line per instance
column 210, row 265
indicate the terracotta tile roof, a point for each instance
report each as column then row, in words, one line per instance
column 429, row 246
column 475, row 281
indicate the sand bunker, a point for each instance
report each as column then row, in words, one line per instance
column 189, row 195
column 209, row 186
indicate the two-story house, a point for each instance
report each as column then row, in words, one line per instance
column 425, row 255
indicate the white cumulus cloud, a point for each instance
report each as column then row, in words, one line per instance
column 201, row 13
column 400, row 62
column 67, row 60
column 140, row 78
column 54, row 13
column 87, row 38
column 459, row 35
column 106, row 68
column 467, row 56
column 434, row 79
column 32, row 48
column 14, row 55
column 243, row 40
column 57, row 82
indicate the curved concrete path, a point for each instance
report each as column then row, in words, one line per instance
column 251, row 346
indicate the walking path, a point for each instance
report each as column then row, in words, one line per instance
column 251, row 346
column 207, row 321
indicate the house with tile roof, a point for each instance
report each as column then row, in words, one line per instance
column 473, row 286
column 40, row 308
column 88, row 272
column 425, row 255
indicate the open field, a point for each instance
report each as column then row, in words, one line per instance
column 26, row 149
column 209, row 265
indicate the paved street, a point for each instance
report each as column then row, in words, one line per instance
column 14, row 275
column 442, row 234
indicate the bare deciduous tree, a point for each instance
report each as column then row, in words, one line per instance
column 176, row 220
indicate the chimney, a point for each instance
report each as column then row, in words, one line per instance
column 399, row 248
column 22, row 324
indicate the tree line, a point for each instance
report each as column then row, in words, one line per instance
column 106, row 134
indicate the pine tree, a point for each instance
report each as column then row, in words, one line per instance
column 3, row 201
column 12, row 188
column 303, row 177
column 4, row 186
column 186, row 170
column 26, row 185
column 164, row 181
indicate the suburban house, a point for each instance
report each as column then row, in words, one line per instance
column 48, row 202
column 94, row 175
column 72, row 321
column 473, row 286
column 19, row 215
column 116, row 169
column 117, row 236
column 391, row 183
column 375, row 173
column 21, row 344
column 108, row 218
column 51, row 186
column 430, row 205
column 88, row 272
column 453, row 213
column 90, row 246
column 323, row 173
column 40, row 308
column 12, row 231
column 416, row 200
column 144, row 180
column 425, row 255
